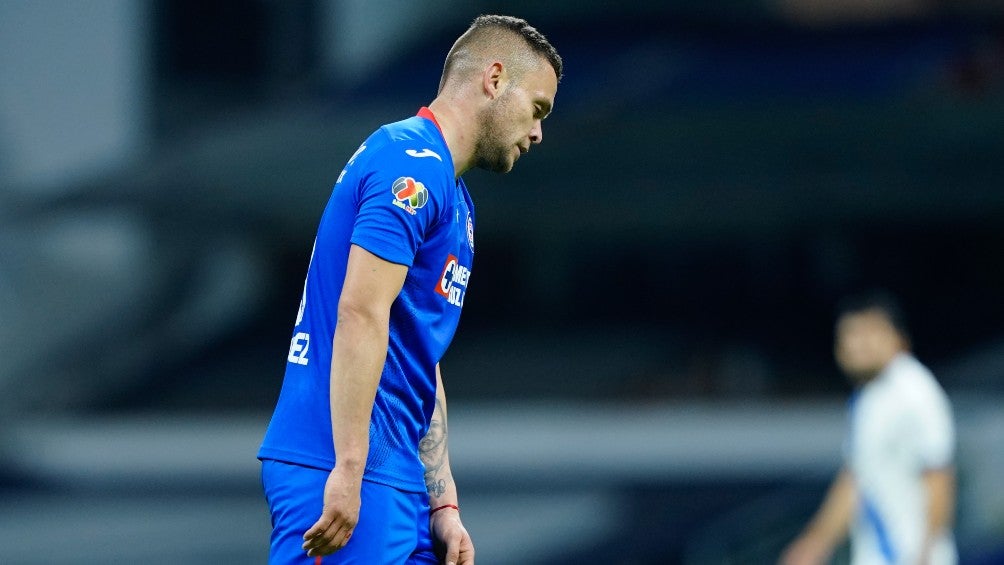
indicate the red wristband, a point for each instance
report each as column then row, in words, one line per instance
column 438, row 508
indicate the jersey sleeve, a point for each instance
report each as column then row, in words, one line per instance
column 399, row 201
column 934, row 428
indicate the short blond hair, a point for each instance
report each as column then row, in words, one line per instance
column 512, row 40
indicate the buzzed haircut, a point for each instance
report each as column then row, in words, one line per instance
column 493, row 30
column 876, row 300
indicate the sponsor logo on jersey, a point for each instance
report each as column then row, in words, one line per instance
column 470, row 231
column 409, row 194
column 423, row 153
column 453, row 282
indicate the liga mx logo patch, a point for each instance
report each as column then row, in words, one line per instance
column 409, row 194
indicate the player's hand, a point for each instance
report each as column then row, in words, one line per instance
column 338, row 517
column 453, row 543
column 805, row 550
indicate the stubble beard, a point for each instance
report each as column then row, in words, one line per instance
column 491, row 152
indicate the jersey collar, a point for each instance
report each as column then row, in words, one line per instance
column 425, row 112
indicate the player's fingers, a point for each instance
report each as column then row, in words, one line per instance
column 338, row 540
column 343, row 538
column 320, row 526
column 466, row 556
column 334, row 537
column 466, row 552
column 452, row 549
column 327, row 545
column 322, row 532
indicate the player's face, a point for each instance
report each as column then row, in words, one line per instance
column 865, row 343
column 512, row 122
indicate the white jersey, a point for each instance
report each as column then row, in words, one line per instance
column 901, row 426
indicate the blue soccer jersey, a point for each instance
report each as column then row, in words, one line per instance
column 397, row 198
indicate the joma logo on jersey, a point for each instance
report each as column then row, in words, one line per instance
column 409, row 194
column 453, row 282
column 423, row 153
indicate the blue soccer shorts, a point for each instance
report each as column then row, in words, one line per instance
column 393, row 526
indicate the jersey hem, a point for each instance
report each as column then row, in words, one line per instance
column 323, row 464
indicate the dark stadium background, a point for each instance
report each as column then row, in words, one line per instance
column 643, row 371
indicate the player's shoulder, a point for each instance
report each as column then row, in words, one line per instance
column 407, row 147
column 905, row 364
column 415, row 128
column 916, row 383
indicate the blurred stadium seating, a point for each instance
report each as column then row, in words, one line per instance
column 660, row 273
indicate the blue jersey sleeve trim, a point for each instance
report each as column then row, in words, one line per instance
column 383, row 250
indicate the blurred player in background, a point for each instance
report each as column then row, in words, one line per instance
column 896, row 492
column 355, row 463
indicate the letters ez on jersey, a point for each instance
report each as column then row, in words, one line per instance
column 453, row 282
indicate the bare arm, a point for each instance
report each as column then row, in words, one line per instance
column 435, row 454
column 940, row 486
column 359, row 351
column 453, row 542
column 828, row 527
column 831, row 522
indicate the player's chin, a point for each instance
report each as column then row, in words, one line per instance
column 510, row 161
column 502, row 165
column 501, row 162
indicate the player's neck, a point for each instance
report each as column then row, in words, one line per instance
column 457, row 131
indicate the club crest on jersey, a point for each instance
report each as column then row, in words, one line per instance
column 453, row 282
column 470, row 231
column 409, row 194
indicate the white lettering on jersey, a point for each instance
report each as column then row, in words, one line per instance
column 356, row 154
column 298, row 347
column 351, row 160
column 453, row 282
column 423, row 153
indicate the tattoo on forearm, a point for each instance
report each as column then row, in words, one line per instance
column 436, row 488
column 432, row 451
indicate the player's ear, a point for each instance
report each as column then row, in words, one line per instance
column 493, row 79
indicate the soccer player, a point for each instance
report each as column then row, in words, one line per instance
column 355, row 464
column 896, row 492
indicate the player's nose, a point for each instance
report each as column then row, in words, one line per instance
column 537, row 133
